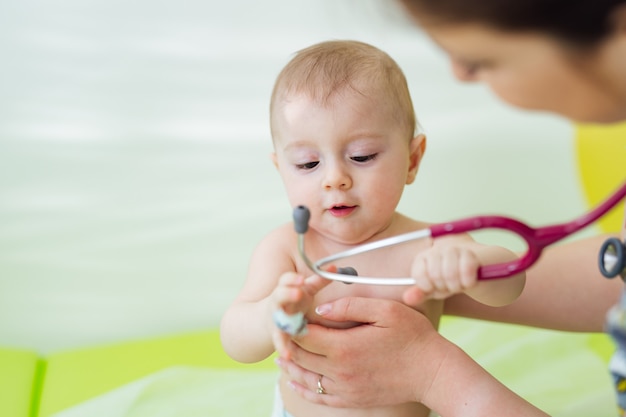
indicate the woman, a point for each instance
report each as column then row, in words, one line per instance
column 563, row 56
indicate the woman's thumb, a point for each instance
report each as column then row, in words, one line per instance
column 355, row 309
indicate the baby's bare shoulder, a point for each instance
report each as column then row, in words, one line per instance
column 279, row 240
column 406, row 224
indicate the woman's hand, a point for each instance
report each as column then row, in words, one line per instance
column 396, row 356
column 390, row 359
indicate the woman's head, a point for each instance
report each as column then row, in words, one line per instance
column 566, row 57
column 579, row 22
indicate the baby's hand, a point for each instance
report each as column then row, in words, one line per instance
column 441, row 272
column 290, row 300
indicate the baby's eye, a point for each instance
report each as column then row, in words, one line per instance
column 365, row 158
column 307, row 165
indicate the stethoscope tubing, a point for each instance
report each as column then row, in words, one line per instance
column 350, row 279
column 611, row 253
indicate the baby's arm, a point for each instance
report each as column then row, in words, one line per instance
column 290, row 300
column 247, row 329
column 450, row 267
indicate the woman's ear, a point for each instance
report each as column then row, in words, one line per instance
column 417, row 148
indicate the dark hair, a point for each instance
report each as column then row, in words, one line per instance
column 578, row 22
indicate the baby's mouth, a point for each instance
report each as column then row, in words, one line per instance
column 341, row 211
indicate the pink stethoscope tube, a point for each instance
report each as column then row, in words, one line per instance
column 536, row 239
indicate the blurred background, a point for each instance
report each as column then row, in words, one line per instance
column 135, row 179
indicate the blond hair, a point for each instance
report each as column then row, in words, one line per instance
column 327, row 68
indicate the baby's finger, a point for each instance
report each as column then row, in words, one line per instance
column 468, row 269
column 286, row 298
column 315, row 283
column 450, row 272
column 418, row 293
column 281, row 341
column 425, row 285
column 414, row 296
column 434, row 271
column 419, row 272
column 290, row 279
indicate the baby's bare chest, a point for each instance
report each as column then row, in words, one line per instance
column 384, row 264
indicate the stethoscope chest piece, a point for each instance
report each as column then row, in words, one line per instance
column 612, row 258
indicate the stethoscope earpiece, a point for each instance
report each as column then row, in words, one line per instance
column 612, row 259
column 301, row 217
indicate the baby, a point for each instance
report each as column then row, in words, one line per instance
column 345, row 145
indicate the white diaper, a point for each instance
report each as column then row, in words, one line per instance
column 279, row 408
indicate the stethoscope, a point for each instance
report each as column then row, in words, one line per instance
column 611, row 259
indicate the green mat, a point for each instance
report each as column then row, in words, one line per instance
column 31, row 386
column 564, row 374
column 186, row 392
column 189, row 375
column 18, row 382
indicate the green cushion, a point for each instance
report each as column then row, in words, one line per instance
column 18, row 382
column 188, row 392
column 75, row 376
column 563, row 373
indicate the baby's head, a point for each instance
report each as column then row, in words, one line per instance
column 326, row 71
column 343, row 128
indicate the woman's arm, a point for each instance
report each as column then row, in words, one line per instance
column 564, row 290
column 397, row 357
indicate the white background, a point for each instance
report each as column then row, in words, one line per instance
column 134, row 171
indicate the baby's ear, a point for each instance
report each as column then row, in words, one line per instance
column 274, row 159
column 417, row 149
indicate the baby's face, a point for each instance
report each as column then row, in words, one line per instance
column 347, row 161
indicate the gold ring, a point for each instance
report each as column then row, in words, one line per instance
column 320, row 388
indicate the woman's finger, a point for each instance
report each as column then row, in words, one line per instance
column 307, row 384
